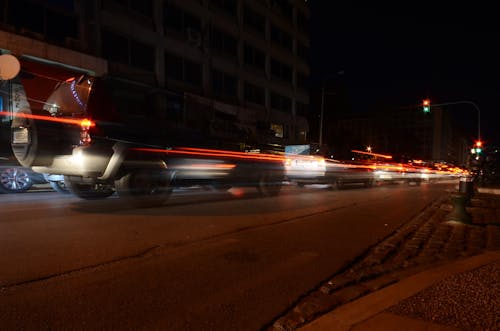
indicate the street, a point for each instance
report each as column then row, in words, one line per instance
column 204, row 261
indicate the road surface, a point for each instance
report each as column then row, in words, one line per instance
column 204, row 261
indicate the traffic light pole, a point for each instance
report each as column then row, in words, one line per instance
column 470, row 103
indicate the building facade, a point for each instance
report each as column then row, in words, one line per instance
column 232, row 68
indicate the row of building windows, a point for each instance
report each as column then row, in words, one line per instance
column 121, row 49
column 53, row 21
column 282, row 7
column 56, row 21
column 180, row 20
column 225, row 85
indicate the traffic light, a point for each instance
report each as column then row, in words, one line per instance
column 426, row 104
column 478, row 144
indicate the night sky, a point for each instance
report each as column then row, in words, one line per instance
column 397, row 55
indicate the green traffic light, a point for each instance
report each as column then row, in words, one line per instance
column 427, row 109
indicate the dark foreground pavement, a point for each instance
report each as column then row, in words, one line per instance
column 431, row 274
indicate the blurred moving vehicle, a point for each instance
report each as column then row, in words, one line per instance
column 17, row 179
column 302, row 166
column 86, row 133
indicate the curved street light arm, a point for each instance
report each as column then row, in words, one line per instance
column 475, row 107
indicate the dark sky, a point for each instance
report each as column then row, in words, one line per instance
column 400, row 54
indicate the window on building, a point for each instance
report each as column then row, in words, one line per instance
column 181, row 69
column 114, row 47
column 254, row 21
column 278, row 130
column 54, row 23
column 281, row 37
column 283, row 7
column 64, row 5
column 280, row 102
column 254, row 57
column 281, row 70
column 121, row 49
column 143, row 7
column 301, row 108
column 192, row 72
column 223, row 42
column 229, row 6
column 224, row 84
column 301, row 80
column 303, row 51
column 141, row 55
column 173, row 17
column 179, row 20
column 174, row 67
column 60, row 27
column 254, row 93
column 26, row 19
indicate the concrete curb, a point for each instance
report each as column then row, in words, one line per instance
column 488, row 190
column 360, row 310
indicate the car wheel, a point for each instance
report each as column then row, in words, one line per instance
column 88, row 191
column 269, row 183
column 14, row 180
column 144, row 188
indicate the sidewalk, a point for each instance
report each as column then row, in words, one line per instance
column 432, row 274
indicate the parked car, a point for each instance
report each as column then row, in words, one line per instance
column 15, row 178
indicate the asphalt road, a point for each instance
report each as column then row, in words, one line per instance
column 204, row 261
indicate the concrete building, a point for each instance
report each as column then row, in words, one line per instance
column 236, row 69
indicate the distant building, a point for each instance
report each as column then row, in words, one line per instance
column 408, row 132
column 233, row 68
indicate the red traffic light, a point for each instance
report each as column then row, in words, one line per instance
column 427, row 102
column 479, row 143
